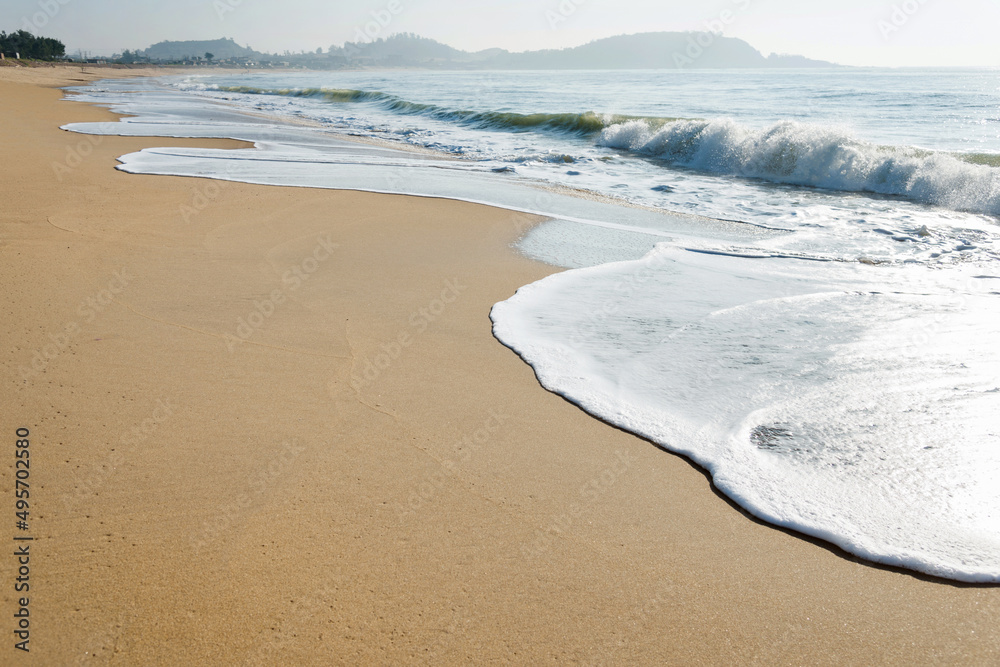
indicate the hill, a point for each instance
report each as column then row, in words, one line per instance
column 404, row 48
column 651, row 50
column 785, row 60
column 221, row 49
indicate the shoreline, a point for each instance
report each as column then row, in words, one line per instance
column 274, row 501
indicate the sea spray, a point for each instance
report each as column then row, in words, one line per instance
column 815, row 156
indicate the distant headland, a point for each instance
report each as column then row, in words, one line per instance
column 652, row 50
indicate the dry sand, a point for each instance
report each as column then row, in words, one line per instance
column 201, row 501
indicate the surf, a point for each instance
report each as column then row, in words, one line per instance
column 811, row 155
column 584, row 123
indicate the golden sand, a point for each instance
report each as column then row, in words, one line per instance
column 278, row 430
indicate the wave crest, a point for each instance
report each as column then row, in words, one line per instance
column 586, row 123
column 813, row 156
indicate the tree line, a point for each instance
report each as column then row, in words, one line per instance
column 28, row 46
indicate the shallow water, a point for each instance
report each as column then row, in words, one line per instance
column 796, row 286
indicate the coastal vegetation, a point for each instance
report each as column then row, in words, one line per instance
column 22, row 44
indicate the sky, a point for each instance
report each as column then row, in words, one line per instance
column 894, row 33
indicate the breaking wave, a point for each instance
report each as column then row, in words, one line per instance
column 815, row 156
column 578, row 123
column 787, row 152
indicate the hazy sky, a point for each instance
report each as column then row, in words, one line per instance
column 852, row 32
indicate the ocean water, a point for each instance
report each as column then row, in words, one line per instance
column 790, row 277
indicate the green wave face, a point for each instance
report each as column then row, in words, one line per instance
column 330, row 94
column 987, row 159
column 576, row 123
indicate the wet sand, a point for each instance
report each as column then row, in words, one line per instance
column 271, row 426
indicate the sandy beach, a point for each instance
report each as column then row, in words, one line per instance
column 272, row 426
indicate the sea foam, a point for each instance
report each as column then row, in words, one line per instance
column 848, row 398
column 848, row 402
column 813, row 155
